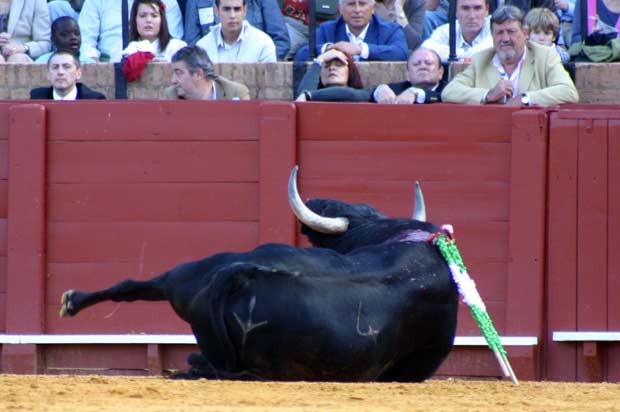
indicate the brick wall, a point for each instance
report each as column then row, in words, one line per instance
column 596, row 82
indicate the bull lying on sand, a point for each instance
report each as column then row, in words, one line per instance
column 371, row 301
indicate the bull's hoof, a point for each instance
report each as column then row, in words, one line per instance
column 188, row 375
column 66, row 305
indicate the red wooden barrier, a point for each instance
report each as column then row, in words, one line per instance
column 482, row 171
column 25, row 234
column 129, row 189
column 584, row 265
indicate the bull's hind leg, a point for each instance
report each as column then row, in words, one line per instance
column 201, row 368
column 73, row 301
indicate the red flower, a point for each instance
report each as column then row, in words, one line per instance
column 135, row 63
column 162, row 5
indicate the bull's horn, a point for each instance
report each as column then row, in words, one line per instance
column 329, row 225
column 419, row 210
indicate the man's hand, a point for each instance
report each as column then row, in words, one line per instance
column 515, row 101
column 331, row 54
column 409, row 96
column 502, row 90
column 385, row 95
column 561, row 4
column 351, row 48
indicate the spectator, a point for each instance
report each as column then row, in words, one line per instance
column 409, row 14
column 472, row 31
column 514, row 71
column 65, row 36
column 607, row 19
column 24, row 30
column 565, row 9
column 333, row 77
column 193, row 78
column 64, row 71
column 234, row 40
column 264, row 15
column 61, row 8
column 100, row 22
column 436, row 15
column 296, row 17
column 544, row 26
column 361, row 34
column 148, row 31
column 423, row 85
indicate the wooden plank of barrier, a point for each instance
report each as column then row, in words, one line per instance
column 562, row 245
column 591, row 240
column 528, row 166
column 277, row 155
column 613, row 245
column 26, row 234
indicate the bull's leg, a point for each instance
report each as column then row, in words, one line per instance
column 418, row 366
column 73, row 301
column 200, row 368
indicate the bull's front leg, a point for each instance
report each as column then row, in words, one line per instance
column 73, row 301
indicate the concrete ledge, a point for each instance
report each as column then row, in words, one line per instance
column 596, row 82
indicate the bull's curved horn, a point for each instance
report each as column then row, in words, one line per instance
column 329, row 225
column 419, row 209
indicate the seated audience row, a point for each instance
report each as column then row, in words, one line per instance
column 334, row 77
column 386, row 30
column 514, row 71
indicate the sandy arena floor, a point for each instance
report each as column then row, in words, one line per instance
column 144, row 394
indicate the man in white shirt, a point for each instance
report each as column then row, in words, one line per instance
column 64, row 71
column 473, row 31
column 234, row 40
column 102, row 34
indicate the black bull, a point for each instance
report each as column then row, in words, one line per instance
column 372, row 301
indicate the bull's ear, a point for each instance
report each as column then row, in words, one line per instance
column 329, row 225
column 419, row 209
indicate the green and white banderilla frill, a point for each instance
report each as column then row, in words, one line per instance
column 467, row 288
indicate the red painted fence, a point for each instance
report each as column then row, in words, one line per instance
column 95, row 192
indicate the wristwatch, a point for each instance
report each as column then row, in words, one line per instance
column 26, row 49
column 525, row 99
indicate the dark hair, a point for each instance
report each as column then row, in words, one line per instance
column 164, row 33
column 355, row 80
column 486, row 3
column 76, row 60
column 217, row 3
column 507, row 13
column 56, row 23
column 195, row 58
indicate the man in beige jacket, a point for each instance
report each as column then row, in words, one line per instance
column 193, row 78
column 514, row 72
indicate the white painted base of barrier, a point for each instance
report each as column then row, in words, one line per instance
column 190, row 339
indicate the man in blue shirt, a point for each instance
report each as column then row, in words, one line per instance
column 361, row 34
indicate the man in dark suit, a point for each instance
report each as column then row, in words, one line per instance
column 361, row 34
column 424, row 81
column 63, row 71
